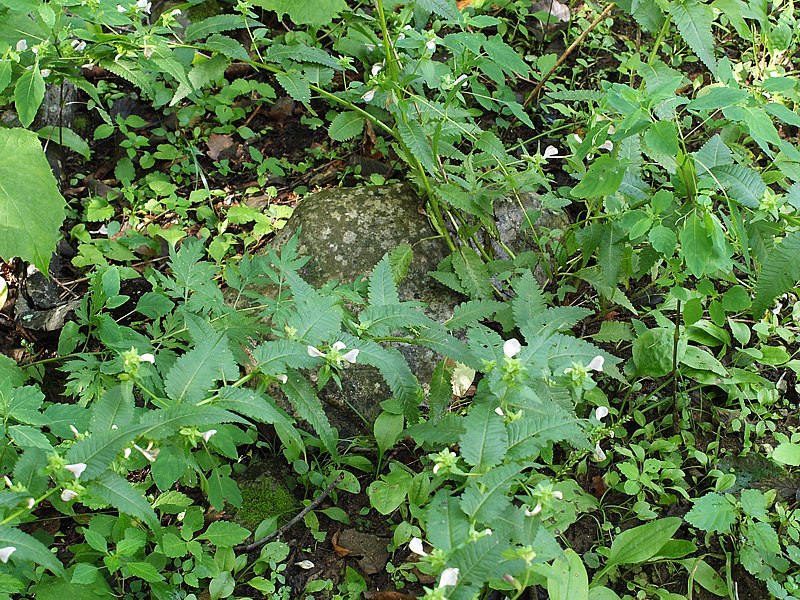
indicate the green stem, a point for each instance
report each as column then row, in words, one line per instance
column 22, row 511
column 659, row 39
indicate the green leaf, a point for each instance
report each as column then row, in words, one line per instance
column 388, row 492
column 5, row 74
column 101, row 448
column 485, row 440
column 296, row 85
column 486, row 497
column 602, row 179
column 28, row 548
column 345, row 126
column 787, row 453
column 31, row 207
column 712, row 513
column 382, row 286
column 471, row 312
column 538, row 426
column 447, row 526
column 224, row 534
column 443, row 8
column 693, row 20
column 115, row 408
column 120, row 494
column 400, row 260
column 697, row 247
column 28, row 95
column 316, row 13
column 705, row 575
column 144, row 570
column 227, row 47
column 216, row 24
column 309, row 408
column 26, row 436
column 477, row 562
column 418, row 144
column 64, row 136
column 194, row 373
column 222, row 489
column 573, row 583
column 130, row 72
column 472, row 273
column 636, row 545
column 779, row 273
column 744, row 185
column 653, row 352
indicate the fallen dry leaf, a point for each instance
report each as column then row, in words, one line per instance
column 389, row 596
column 337, row 548
column 222, row 146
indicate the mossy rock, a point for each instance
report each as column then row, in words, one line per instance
column 266, row 488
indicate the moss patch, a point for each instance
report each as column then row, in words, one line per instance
column 265, row 494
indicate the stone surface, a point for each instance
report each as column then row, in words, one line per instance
column 512, row 215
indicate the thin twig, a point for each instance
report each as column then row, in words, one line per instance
column 278, row 532
column 535, row 93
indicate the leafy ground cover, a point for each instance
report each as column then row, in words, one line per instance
column 626, row 430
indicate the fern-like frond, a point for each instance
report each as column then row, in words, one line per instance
column 779, row 273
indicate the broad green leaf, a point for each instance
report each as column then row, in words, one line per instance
column 602, row 179
column 486, row 497
column 779, row 273
column 573, row 583
column 476, row 562
column 418, row 144
column 485, row 440
column 120, row 494
column 114, row 409
column 99, row 449
column 26, row 436
column 227, row 47
column 5, row 74
column 316, row 13
column 194, row 374
column 662, row 138
column 787, row 453
column 388, row 492
column 31, row 207
column 28, row 95
column 224, row 534
column 442, row 8
column 712, row 513
column 700, row 359
column 654, row 352
column 447, row 526
column 216, row 24
column 296, row 85
column 744, row 185
column 704, row 575
column 144, row 570
column 28, row 548
column 693, row 20
column 636, row 545
column 64, row 136
column 222, row 489
column 697, row 247
column 345, row 126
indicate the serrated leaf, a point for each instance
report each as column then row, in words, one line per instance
column 712, row 154
column 443, row 8
column 114, row 408
column 383, row 320
column 477, row 562
column 540, row 426
column 130, row 72
column 28, row 94
column 418, row 144
column 441, row 391
column 215, row 24
column 227, row 47
column 486, row 497
column 529, row 301
column 472, row 273
column 296, row 85
column 712, row 513
column 345, row 126
column 194, row 373
column 26, row 436
column 309, row 408
column 31, row 207
column 120, row 494
column 400, row 260
column 485, row 439
column 779, row 273
column 472, row 311
column 101, row 448
column 316, row 13
column 382, row 286
column 744, row 185
column 273, row 357
column 163, row 423
column 567, row 350
column 693, row 20
column 224, row 534
column 28, row 548
column 446, row 525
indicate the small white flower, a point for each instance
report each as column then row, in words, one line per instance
column 315, row 352
column 7, row 481
column 176, row 13
column 77, row 469
column 449, row 577
column 368, row 96
column 550, row 152
column 74, row 431
column 68, row 495
column 407, row 28
column 557, row 495
column 305, row 564
column 577, row 138
column 121, row 9
column 89, row 65
column 436, row 468
column 282, row 378
column 351, row 355
column 376, row 68
column 338, row 346
column 601, row 413
column 144, row 5
column 596, row 364
column 415, row 545
column 206, row 435
column 147, row 357
column 78, row 45
column 499, row 411
column 150, row 453
column 22, row 45
column 431, row 44
column 536, row 510
column 599, row 455
column 102, row 230
column 462, row 79
column 6, row 552
column 487, row 532
column 45, row 73
column 512, row 347
column 607, row 145
column 31, row 503
column 126, row 453
column 114, row 426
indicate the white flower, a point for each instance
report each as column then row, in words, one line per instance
column 462, row 79
column 415, row 545
column 7, row 481
column 351, row 355
column 78, row 45
column 305, row 564
column 282, row 378
column 77, row 469
column 144, row 5
column 499, row 411
column 596, row 364
column 557, row 495
column 577, row 138
column 338, row 346
column 436, row 468
column 599, row 455
column 22, row 45
column 536, row 510
column 601, row 413
column 126, row 453
column 206, row 435
column 147, row 357
column 431, row 44
column 120, row 8
column 368, row 96
column 89, row 65
column 74, row 431
column 550, row 152
column 6, row 552
column 449, row 577
column 315, row 352
column 607, row 145
column 114, row 426
column 376, row 68
column 45, row 73
column 512, row 347
column 176, row 13
column 487, row 532
column 31, row 503
column 149, row 453
column 68, row 495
